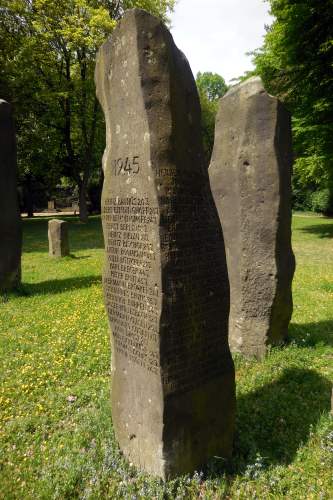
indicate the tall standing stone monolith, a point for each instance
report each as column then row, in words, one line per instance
column 165, row 280
column 58, row 238
column 10, row 224
column 250, row 177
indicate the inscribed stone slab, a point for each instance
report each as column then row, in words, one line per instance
column 165, row 280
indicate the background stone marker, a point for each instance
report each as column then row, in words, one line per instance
column 165, row 281
column 10, row 224
column 250, row 176
column 58, row 238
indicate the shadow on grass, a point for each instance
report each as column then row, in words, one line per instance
column 311, row 334
column 274, row 421
column 58, row 286
column 75, row 257
column 324, row 230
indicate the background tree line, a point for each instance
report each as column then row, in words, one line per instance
column 47, row 60
column 296, row 65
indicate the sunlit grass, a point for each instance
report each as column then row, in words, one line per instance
column 56, row 430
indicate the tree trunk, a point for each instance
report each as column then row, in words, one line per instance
column 28, row 196
column 83, row 202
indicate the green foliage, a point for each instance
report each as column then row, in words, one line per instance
column 159, row 8
column 211, row 84
column 301, row 197
column 47, row 62
column 208, row 117
column 321, row 201
column 56, row 435
column 295, row 64
column 211, row 88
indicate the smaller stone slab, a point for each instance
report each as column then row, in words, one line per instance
column 58, row 238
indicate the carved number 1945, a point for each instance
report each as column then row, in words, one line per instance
column 129, row 165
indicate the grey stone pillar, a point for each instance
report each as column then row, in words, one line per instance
column 250, row 176
column 10, row 224
column 165, row 278
column 58, row 238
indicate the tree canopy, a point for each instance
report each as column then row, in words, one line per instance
column 211, row 87
column 47, row 62
column 211, row 84
column 296, row 64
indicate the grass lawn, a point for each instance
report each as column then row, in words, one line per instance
column 56, row 431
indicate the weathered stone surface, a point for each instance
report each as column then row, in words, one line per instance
column 165, row 280
column 10, row 224
column 250, row 176
column 58, row 238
